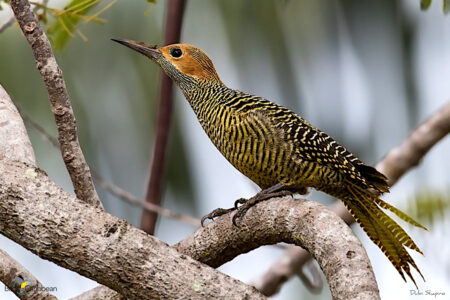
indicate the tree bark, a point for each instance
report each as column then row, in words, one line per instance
column 10, row 269
column 39, row 215
column 59, row 100
column 15, row 145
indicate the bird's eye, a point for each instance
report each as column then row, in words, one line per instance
column 176, row 52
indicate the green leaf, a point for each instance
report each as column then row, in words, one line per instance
column 446, row 6
column 151, row 1
column 425, row 4
column 66, row 21
column 429, row 206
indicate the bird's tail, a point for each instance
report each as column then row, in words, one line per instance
column 364, row 205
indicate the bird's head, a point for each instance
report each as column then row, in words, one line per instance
column 182, row 62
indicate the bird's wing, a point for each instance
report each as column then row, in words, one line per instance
column 316, row 146
column 310, row 143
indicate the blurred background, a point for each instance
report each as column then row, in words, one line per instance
column 365, row 72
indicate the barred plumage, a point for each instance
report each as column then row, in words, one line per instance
column 272, row 145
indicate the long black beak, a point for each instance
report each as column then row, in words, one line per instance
column 150, row 51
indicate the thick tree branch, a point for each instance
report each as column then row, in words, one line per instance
column 174, row 20
column 37, row 214
column 60, row 103
column 296, row 221
column 394, row 165
column 15, row 145
column 10, row 269
column 100, row 292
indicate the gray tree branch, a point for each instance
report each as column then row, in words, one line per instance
column 37, row 214
column 99, row 292
column 40, row 216
column 394, row 165
column 17, row 148
column 59, row 100
column 15, row 145
column 10, row 269
column 296, row 221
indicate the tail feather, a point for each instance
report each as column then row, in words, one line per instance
column 376, row 179
column 370, row 226
column 380, row 228
column 399, row 233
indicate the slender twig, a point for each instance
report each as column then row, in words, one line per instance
column 114, row 189
column 146, row 206
column 60, row 103
column 47, row 137
column 395, row 164
column 12, row 273
column 174, row 18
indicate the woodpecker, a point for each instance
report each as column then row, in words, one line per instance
column 280, row 151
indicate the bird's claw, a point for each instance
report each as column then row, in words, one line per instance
column 240, row 213
column 242, row 210
column 206, row 217
column 247, row 204
column 239, row 201
column 215, row 213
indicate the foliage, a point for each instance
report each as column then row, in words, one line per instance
column 65, row 22
column 62, row 24
column 425, row 4
column 429, row 206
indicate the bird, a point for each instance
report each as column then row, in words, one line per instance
column 282, row 152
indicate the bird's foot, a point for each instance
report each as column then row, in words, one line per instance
column 216, row 213
column 247, row 204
